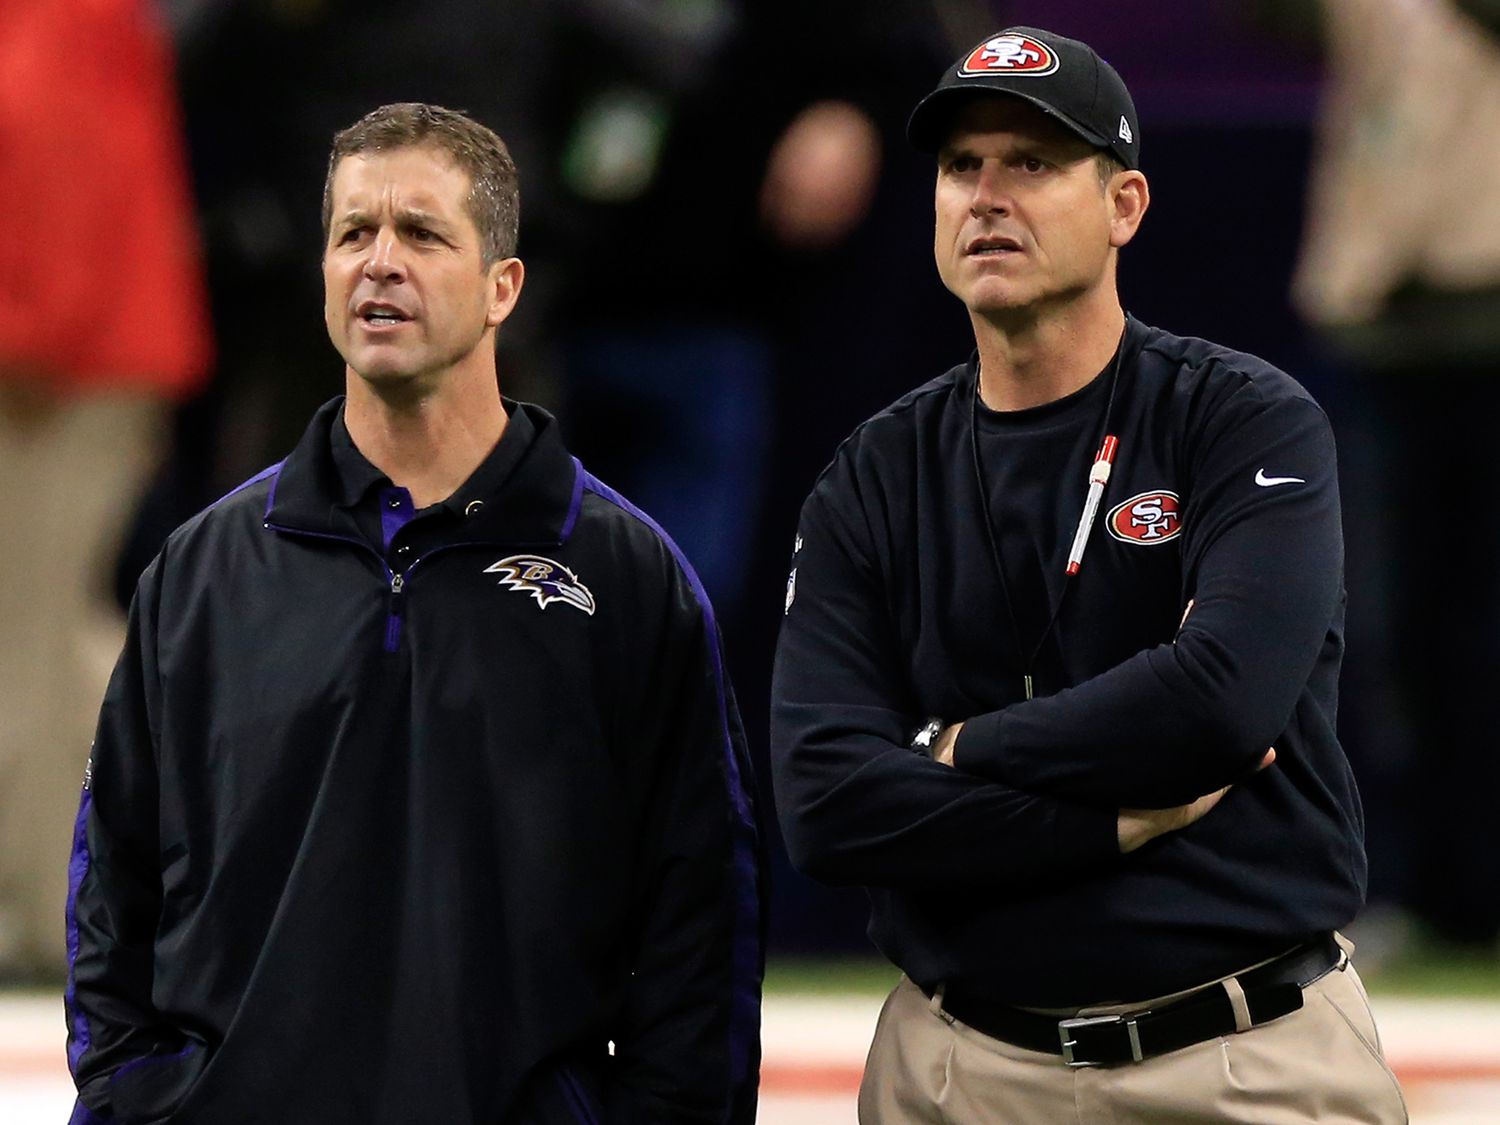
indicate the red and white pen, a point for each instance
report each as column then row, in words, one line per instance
column 1098, row 477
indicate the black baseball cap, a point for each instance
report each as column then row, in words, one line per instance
column 1065, row 79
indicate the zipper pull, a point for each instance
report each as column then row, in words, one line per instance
column 393, row 615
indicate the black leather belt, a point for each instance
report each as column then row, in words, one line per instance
column 1271, row 990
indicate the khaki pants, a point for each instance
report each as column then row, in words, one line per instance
column 1321, row 1064
column 71, row 473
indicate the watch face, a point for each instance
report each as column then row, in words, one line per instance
column 925, row 737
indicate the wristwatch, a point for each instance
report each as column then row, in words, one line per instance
column 926, row 737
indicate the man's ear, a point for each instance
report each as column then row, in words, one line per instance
column 506, row 278
column 1129, row 196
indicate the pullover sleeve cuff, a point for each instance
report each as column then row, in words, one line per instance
column 977, row 749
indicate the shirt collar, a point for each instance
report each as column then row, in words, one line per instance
column 535, row 487
column 356, row 476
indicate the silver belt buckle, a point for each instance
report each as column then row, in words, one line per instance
column 1065, row 1028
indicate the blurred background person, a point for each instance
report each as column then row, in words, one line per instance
column 715, row 153
column 102, row 326
column 1400, row 273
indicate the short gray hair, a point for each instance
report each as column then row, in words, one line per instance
column 494, row 202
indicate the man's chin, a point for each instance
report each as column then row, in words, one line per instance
column 378, row 374
column 389, row 381
column 982, row 295
column 993, row 304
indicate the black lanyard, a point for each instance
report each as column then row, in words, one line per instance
column 1029, row 660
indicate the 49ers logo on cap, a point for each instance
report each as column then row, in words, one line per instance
column 1010, row 54
column 1147, row 518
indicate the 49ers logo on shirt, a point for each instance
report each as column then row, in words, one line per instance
column 1010, row 54
column 1147, row 518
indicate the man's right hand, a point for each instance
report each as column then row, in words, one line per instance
column 1138, row 826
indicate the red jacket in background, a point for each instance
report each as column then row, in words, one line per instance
column 101, row 283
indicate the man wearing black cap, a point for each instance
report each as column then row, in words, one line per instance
column 1048, row 614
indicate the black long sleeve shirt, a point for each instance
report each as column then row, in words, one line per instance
column 1003, row 875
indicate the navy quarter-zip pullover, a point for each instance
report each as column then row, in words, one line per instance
column 462, row 832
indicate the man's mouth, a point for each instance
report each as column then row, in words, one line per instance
column 992, row 245
column 379, row 314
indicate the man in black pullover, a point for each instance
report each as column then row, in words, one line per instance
column 418, row 793
column 1049, row 615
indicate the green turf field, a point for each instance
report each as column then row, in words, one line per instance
column 1430, row 969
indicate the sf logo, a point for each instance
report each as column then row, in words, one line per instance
column 1009, row 52
column 1147, row 518
column 1018, row 54
column 1153, row 519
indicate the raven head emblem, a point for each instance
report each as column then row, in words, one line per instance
column 546, row 580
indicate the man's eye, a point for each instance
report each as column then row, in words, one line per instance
column 963, row 164
column 1033, row 164
column 351, row 235
column 422, row 234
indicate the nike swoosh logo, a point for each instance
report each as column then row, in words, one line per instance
column 1266, row 482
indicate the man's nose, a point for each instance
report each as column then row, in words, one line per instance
column 991, row 190
column 386, row 262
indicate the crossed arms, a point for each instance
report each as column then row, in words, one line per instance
column 1056, row 787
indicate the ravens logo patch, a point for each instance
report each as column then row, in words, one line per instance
column 547, row 580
